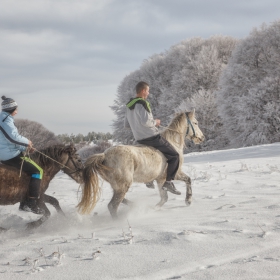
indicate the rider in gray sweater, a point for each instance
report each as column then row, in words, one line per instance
column 140, row 119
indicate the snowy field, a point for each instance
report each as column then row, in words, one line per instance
column 231, row 230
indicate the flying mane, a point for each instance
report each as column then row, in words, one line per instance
column 52, row 152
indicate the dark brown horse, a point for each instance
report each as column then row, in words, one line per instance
column 13, row 189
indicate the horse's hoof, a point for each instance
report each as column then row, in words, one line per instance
column 61, row 213
column 188, row 202
column 35, row 224
column 30, row 226
column 157, row 207
column 114, row 217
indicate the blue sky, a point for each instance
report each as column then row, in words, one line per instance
column 63, row 60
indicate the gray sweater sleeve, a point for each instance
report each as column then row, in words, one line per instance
column 146, row 118
column 126, row 123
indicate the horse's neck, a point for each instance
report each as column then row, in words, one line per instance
column 175, row 133
column 50, row 168
column 53, row 171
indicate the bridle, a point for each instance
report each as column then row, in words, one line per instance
column 77, row 169
column 188, row 129
column 190, row 125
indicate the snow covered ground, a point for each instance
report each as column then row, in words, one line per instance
column 231, row 230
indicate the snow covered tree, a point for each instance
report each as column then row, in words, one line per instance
column 184, row 70
column 248, row 99
column 210, row 123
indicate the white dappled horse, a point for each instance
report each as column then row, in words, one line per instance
column 124, row 164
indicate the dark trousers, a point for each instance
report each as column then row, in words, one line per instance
column 169, row 152
column 31, row 169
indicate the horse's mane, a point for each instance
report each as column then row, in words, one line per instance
column 53, row 152
column 174, row 132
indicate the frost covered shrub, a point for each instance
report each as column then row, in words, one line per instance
column 248, row 100
column 209, row 121
column 87, row 151
column 262, row 113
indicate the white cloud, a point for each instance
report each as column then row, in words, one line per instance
column 19, row 47
column 47, row 9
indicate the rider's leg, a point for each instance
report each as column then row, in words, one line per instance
column 35, row 172
column 172, row 156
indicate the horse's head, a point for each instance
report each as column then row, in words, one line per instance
column 72, row 164
column 193, row 131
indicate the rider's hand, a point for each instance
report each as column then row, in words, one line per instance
column 30, row 144
column 30, row 148
column 157, row 122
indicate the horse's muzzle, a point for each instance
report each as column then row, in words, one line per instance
column 198, row 140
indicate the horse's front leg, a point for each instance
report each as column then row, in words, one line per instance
column 184, row 177
column 163, row 195
column 117, row 198
column 37, row 223
column 54, row 202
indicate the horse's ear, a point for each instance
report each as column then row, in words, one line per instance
column 191, row 113
column 70, row 148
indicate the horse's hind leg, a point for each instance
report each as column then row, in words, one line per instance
column 37, row 223
column 184, row 177
column 163, row 195
column 54, row 202
column 117, row 198
column 127, row 202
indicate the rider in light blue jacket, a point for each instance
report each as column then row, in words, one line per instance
column 11, row 143
column 12, row 146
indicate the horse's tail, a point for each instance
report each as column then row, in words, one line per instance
column 91, row 188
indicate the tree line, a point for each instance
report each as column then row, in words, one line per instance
column 233, row 85
column 41, row 137
column 93, row 137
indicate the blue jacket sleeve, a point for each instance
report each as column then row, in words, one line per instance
column 11, row 134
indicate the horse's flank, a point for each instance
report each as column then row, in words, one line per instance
column 11, row 193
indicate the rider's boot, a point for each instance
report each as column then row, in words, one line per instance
column 169, row 186
column 31, row 204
